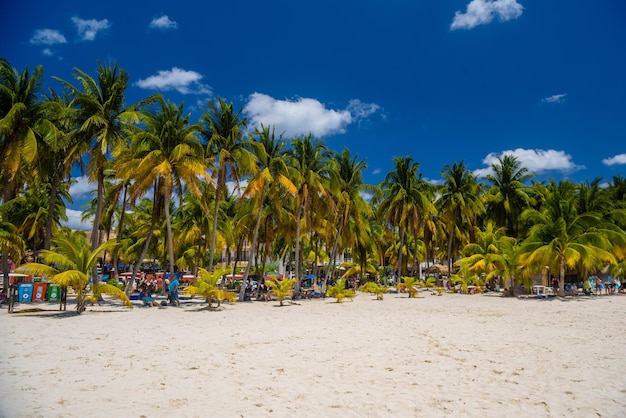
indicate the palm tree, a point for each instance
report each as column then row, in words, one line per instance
column 11, row 245
column 508, row 196
column 406, row 204
column 222, row 128
column 75, row 262
column 207, row 285
column 59, row 111
column 282, row 289
column 351, row 208
column 167, row 156
column 562, row 238
column 310, row 158
column 103, row 117
column 272, row 173
column 459, row 206
column 20, row 118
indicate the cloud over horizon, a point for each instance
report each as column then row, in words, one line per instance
column 183, row 81
column 304, row 115
column 537, row 161
column 482, row 12
column 618, row 159
column 88, row 29
column 163, row 22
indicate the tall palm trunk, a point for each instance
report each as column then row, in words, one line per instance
column 54, row 188
column 297, row 250
column 255, row 236
column 561, row 276
column 170, row 239
column 218, row 187
column 120, row 228
column 95, row 231
column 450, row 242
column 331, row 265
column 400, row 254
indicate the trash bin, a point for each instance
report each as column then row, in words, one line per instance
column 25, row 292
column 39, row 292
column 54, row 292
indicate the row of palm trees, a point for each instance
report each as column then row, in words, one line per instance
column 164, row 188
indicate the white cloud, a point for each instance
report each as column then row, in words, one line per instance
column 535, row 160
column 47, row 52
column 615, row 160
column 183, row 81
column 80, row 189
column 74, row 220
column 377, row 171
column 89, row 28
column 481, row 12
column 557, row 98
column 163, row 22
column 304, row 115
column 47, row 37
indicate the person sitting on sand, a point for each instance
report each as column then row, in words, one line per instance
column 146, row 296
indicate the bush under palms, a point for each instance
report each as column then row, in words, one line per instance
column 339, row 291
column 207, row 285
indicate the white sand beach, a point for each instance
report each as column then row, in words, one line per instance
column 450, row 355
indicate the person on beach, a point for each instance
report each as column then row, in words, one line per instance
column 146, row 296
column 174, row 291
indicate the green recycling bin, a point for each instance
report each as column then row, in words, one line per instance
column 54, row 292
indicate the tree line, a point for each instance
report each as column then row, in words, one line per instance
column 162, row 188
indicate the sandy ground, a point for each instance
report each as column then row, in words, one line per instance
column 450, row 355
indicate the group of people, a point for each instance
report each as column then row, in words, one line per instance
column 146, row 289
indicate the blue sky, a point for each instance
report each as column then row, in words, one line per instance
column 441, row 81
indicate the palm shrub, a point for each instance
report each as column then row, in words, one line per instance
column 74, row 261
column 207, row 285
column 374, row 288
column 339, row 291
column 281, row 288
column 408, row 284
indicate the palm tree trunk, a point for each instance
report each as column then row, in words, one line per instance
column 562, row 276
column 120, row 229
column 331, row 264
column 218, row 187
column 400, row 253
column 450, row 242
column 170, row 239
column 95, row 231
column 296, row 293
column 253, row 247
column 53, row 198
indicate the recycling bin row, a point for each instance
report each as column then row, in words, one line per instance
column 38, row 292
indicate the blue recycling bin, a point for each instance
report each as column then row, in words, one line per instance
column 25, row 292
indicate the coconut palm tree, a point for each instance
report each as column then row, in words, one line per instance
column 563, row 238
column 459, row 206
column 207, row 286
column 282, row 289
column 272, row 173
column 406, row 204
column 74, row 260
column 20, row 118
column 508, row 195
column 311, row 159
column 167, row 156
column 223, row 128
column 103, row 117
column 351, row 208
